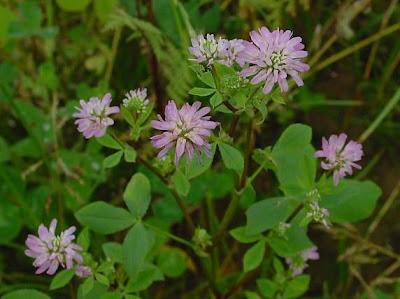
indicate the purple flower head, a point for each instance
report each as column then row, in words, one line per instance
column 209, row 49
column 272, row 56
column 298, row 263
column 232, row 51
column 83, row 271
column 50, row 250
column 137, row 99
column 338, row 157
column 187, row 129
column 93, row 118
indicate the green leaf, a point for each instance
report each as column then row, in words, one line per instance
column 62, row 278
column 254, row 256
column 199, row 164
column 6, row 17
column 26, row 147
column 181, row 182
column 48, row 76
column 294, row 241
column 295, row 161
column 278, row 266
column 351, row 200
column 296, row 287
column 11, row 220
column 216, row 99
column 109, row 141
column 267, row 287
column 130, row 154
column 137, row 195
column 135, row 248
column 83, row 239
column 207, row 78
column 231, row 157
column 264, row 158
column 24, row 294
column 112, row 160
column 87, row 286
column 247, row 197
column 73, row 5
column 261, row 106
column 241, row 234
column 201, row 92
column 127, row 115
column 102, row 279
column 251, row 295
column 112, row 295
column 144, row 279
column 228, row 76
column 267, row 214
column 92, row 288
column 113, row 251
column 165, row 12
column 104, row 218
column 29, row 21
column 172, row 262
column 277, row 97
column 104, row 8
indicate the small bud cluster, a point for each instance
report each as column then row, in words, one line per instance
column 136, row 100
column 202, row 240
column 313, row 210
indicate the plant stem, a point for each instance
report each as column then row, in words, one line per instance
column 323, row 49
column 114, row 48
column 230, row 212
column 177, row 197
column 385, row 111
column 173, row 237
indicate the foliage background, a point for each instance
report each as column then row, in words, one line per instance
column 54, row 53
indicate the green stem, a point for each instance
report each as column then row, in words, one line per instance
column 352, row 49
column 173, row 237
column 115, row 42
column 177, row 197
column 385, row 111
column 230, row 212
column 115, row 137
column 323, row 49
column 382, row 212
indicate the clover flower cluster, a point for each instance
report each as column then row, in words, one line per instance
column 93, row 118
column 50, row 251
column 269, row 58
column 186, row 129
column 339, row 157
column 297, row 264
column 208, row 50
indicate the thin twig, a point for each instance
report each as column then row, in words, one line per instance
column 114, row 48
column 384, row 112
column 385, row 273
column 354, row 48
column 374, row 49
column 382, row 212
column 357, row 274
